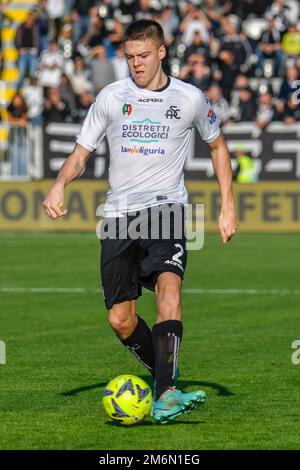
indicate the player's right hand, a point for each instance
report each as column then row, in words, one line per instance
column 54, row 202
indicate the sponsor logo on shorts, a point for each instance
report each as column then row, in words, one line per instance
column 174, row 264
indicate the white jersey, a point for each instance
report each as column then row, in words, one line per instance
column 148, row 134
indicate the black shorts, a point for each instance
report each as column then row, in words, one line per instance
column 137, row 248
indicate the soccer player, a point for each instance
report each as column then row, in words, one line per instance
column 148, row 120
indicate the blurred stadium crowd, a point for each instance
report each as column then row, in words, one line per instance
column 245, row 55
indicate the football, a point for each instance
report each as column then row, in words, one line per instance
column 127, row 399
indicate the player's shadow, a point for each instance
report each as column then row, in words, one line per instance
column 182, row 385
column 150, row 423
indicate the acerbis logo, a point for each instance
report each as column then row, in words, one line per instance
column 150, row 100
column 172, row 112
column 127, row 109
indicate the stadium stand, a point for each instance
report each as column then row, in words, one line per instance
column 244, row 55
column 13, row 13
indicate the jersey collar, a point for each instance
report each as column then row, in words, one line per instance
column 159, row 90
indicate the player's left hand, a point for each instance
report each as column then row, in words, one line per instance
column 228, row 224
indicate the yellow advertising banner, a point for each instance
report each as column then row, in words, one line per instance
column 261, row 207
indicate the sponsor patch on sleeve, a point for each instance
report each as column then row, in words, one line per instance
column 211, row 116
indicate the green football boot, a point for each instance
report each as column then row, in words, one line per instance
column 173, row 403
column 177, row 375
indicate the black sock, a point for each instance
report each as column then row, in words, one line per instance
column 166, row 342
column 140, row 344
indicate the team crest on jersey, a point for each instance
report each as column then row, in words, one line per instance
column 127, row 109
column 172, row 112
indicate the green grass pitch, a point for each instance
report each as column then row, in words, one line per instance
column 236, row 347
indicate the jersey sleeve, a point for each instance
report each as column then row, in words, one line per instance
column 94, row 126
column 206, row 120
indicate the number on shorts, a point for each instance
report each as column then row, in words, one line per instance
column 179, row 254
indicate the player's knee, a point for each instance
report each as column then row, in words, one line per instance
column 123, row 323
column 168, row 301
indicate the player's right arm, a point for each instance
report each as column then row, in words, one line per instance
column 88, row 140
column 71, row 169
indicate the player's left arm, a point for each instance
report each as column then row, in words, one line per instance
column 222, row 165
